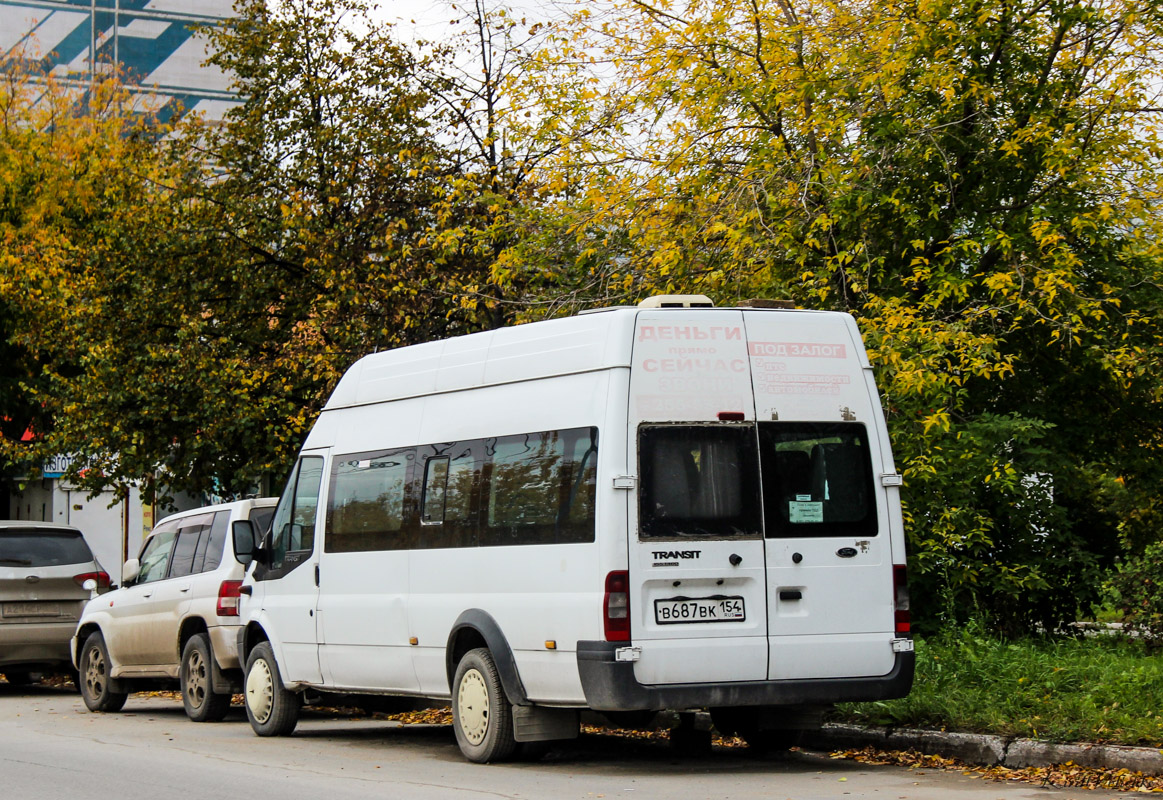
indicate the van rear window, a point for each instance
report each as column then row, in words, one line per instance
column 698, row 480
column 817, row 479
column 29, row 547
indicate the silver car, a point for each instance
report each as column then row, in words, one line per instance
column 42, row 568
column 174, row 621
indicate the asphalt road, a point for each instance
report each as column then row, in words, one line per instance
column 52, row 748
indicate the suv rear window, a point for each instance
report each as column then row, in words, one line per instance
column 32, row 547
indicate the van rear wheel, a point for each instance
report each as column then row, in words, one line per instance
column 482, row 716
column 198, row 696
column 271, row 709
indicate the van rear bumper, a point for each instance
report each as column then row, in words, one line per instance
column 610, row 685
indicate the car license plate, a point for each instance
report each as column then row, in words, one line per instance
column 699, row 609
column 31, row 609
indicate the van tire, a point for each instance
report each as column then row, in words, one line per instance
column 482, row 716
column 271, row 709
column 196, row 675
column 96, row 679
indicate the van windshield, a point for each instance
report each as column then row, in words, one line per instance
column 698, row 480
column 817, row 479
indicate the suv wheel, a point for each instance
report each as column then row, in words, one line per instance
column 198, row 696
column 96, row 679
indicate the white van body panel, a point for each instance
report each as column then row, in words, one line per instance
column 380, row 621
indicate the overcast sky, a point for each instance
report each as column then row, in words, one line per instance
column 429, row 19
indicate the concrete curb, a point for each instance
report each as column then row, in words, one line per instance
column 985, row 750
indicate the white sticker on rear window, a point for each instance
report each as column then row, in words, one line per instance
column 799, row 511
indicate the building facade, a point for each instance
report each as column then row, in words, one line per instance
column 157, row 48
column 154, row 42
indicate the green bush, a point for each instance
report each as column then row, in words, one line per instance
column 1090, row 689
column 1136, row 592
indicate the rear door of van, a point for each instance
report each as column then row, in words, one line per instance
column 829, row 561
column 698, row 588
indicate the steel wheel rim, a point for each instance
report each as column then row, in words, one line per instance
column 197, row 679
column 95, row 672
column 472, row 705
column 260, row 691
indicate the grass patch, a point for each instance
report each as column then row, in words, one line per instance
column 1095, row 689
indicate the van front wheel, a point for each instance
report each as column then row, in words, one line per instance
column 271, row 709
column 482, row 715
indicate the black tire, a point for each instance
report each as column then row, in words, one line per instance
column 271, row 709
column 18, row 677
column 198, row 696
column 96, row 679
column 482, row 716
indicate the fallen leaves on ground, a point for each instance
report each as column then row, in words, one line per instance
column 425, row 716
column 1068, row 775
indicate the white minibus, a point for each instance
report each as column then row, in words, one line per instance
column 668, row 506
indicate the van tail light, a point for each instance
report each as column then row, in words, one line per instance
column 228, row 598
column 900, row 585
column 616, row 607
column 101, row 577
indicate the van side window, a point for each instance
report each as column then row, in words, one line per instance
column 698, row 480
column 532, row 488
column 451, row 476
column 583, row 487
column 817, row 479
column 435, row 490
column 462, row 479
column 367, row 505
column 523, row 484
column 293, row 528
column 538, row 488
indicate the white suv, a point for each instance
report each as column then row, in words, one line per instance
column 175, row 618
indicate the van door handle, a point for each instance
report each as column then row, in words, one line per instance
column 791, row 594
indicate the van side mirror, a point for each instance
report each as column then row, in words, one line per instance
column 246, row 547
column 130, row 571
